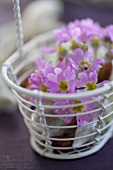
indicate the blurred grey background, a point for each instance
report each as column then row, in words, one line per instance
column 85, row 6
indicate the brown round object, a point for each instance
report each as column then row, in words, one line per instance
column 105, row 72
column 25, row 84
column 61, row 143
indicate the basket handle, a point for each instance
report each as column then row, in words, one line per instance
column 19, row 29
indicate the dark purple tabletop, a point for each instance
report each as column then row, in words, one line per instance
column 15, row 150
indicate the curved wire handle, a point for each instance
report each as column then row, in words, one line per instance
column 19, row 29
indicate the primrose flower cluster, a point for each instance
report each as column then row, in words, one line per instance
column 77, row 68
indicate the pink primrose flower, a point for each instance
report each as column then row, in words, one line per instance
column 84, row 60
column 61, row 81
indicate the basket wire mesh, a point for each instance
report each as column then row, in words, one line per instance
column 44, row 127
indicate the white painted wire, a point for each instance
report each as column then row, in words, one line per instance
column 18, row 21
column 46, row 148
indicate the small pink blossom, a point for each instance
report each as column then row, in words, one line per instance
column 84, row 60
column 62, row 35
column 88, row 80
column 40, row 63
column 81, row 119
column 79, row 30
column 108, row 32
column 61, row 81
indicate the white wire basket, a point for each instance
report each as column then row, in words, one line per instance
column 46, row 129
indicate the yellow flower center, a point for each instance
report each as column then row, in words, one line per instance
column 95, row 41
column 78, row 109
column 84, row 47
column 111, row 45
column 91, row 86
column 85, row 62
column 63, row 86
column 61, row 50
column 43, row 88
column 74, row 44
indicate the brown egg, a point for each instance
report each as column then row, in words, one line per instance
column 62, row 143
column 25, row 84
column 105, row 72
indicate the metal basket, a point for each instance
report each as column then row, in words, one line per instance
column 45, row 138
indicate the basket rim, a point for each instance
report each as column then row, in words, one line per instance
column 39, row 94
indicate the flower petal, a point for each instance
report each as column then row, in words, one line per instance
column 102, row 83
column 93, row 76
column 49, row 50
column 97, row 63
column 79, row 55
column 89, row 54
column 79, row 84
column 72, row 63
column 68, row 120
column 83, row 77
column 72, row 87
column 53, row 78
column 57, row 70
